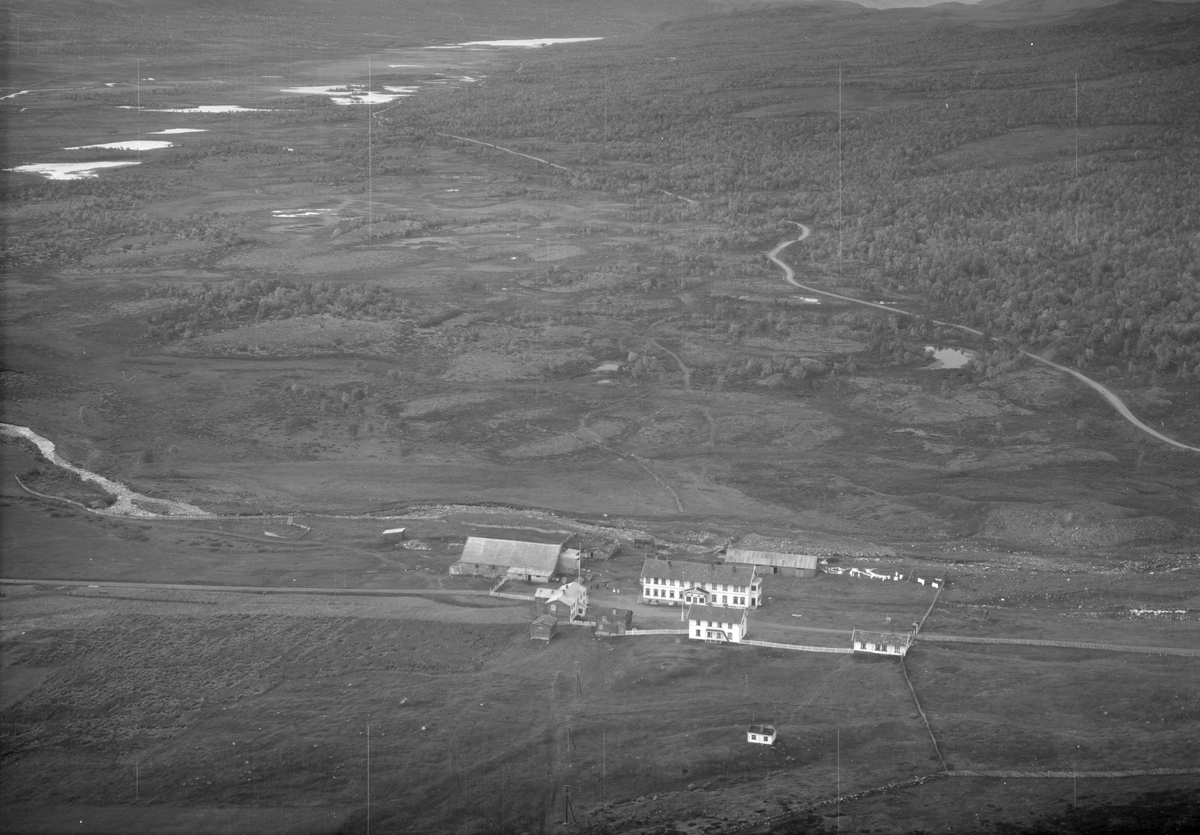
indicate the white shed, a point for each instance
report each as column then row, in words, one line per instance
column 761, row 735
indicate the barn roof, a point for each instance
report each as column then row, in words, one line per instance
column 719, row 614
column 546, row 620
column 902, row 639
column 698, row 572
column 775, row 558
column 533, row 556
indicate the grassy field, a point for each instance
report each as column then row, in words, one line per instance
column 332, row 315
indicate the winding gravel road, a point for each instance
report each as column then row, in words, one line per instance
column 1106, row 393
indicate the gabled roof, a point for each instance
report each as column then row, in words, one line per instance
column 775, row 558
column 901, row 639
column 762, row 729
column 546, row 620
column 698, row 572
column 571, row 592
column 533, row 556
column 719, row 614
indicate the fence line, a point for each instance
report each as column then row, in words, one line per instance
column 1036, row 642
column 656, row 632
column 525, row 597
column 937, row 750
column 798, row 647
column 933, row 603
column 1058, row 775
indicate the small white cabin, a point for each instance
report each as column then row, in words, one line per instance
column 881, row 643
column 761, row 735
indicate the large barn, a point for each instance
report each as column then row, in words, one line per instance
column 679, row 582
column 774, row 562
column 534, row 562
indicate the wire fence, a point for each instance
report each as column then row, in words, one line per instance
column 1035, row 642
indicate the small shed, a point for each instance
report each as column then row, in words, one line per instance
column 393, row 534
column 543, row 628
column 613, row 621
column 602, row 550
column 881, row 643
column 761, row 734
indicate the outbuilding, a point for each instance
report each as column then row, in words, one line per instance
column 394, row 534
column 761, row 735
column 774, row 562
column 543, row 628
column 881, row 643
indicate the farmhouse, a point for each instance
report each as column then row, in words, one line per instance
column 881, row 643
column 761, row 734
column 543, row 628
column 677, row 582
column 534, row 562
column 568, row 602
column 716, row 623
column 612, row 621
column 771, row 562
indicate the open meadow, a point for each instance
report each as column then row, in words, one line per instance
column 318, row 275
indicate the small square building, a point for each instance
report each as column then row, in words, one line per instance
column 761, row 735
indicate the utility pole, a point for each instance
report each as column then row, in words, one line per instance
column 368, row 780
column 568, row 812
column 370, row 192
column 839, row 165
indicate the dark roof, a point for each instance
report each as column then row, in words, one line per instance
column 762, row 729
column 897, row 638
column 719, row 614
column 698, row 572
column 775, row 558
column 546, row 620
column 532, row 556
column 613, row 612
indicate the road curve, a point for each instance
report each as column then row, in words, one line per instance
column 1116, row 402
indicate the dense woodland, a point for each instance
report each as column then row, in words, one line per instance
column 1094, row 255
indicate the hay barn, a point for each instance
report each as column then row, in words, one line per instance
column 534, row 562
column 773, row 562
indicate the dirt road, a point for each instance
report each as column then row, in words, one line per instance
column 1106, row 393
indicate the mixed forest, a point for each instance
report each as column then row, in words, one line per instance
column 1037, row 181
